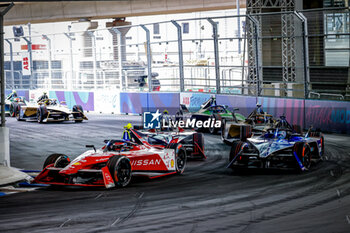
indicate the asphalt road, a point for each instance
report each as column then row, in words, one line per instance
column 206, row 198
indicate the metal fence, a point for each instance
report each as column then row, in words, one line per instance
column 289, row 54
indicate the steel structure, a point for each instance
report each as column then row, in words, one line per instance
column 3, row 10
column 288, row 42
column 203, row 58
column 287, row 8
column 254, row 7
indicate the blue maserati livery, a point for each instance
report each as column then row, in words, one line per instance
column 278, row 147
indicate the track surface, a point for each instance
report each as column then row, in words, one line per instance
column 206, row 198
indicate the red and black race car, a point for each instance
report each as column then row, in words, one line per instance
column 192, row 141
column 114, row 164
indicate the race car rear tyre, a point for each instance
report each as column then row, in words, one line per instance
column 322, row 145
column 213, row 130
column 13, row 109
column 18, row 113
column 297, row 129
column 120, row 168
column 235, row 149
column 180, row 157
column 59, row 160
column 304, row 154
column 78, row 108
column 223, row 129
column 199, row 139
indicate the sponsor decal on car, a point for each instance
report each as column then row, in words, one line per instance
column 145, row 162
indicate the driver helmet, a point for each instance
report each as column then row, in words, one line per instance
column 258, row 104
column 14, row 91
column 128, row 126
column 165, row 112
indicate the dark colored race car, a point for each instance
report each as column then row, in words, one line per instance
column 210, row 110
column 278, row 147
column 192, row 141
column 114, row 164
column 257, row 121
column 12, row 105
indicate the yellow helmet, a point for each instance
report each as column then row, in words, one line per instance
column 128, row 126
column 165, row 112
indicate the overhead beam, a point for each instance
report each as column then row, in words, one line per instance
column 55, row 11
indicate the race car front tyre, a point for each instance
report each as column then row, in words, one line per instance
column 78, row 116
column 235, row 149
column 180, row 157
column 303, row 152
column 41, row 114
column 59, row 160
column 120, row 168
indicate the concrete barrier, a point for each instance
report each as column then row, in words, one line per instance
column 327, row 115
column 107, row 101
column 4, row 146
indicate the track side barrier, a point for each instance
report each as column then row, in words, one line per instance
column 83, row 98
column 326, row 115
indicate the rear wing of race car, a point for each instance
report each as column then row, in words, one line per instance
column 235, row 131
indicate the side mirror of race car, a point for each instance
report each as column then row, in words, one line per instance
column 91, row 146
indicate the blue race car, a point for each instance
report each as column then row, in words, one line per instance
column 278, row 147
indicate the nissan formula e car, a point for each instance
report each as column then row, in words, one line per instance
column 278, row 147
column 114, row 164
column 50, row 110
column 192, row 141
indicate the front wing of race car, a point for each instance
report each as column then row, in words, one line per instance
column 84, row 177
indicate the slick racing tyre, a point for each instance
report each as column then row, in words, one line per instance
column 297, row 129
column 18, row 113
column 13, row 109
column 180, row 157
column 304, row 154
column 41, row 114
column 213, row 130
column 235, row 149
column 223, row 129
column 58, row 160
column 322, row 145
column 199, row 139
column 120, row 168
column 78, row 116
